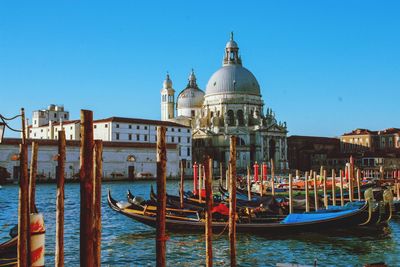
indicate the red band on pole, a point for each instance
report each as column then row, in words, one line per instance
column 265, row 171
column 256, row 172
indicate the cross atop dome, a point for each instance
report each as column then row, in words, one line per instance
column 232, row 53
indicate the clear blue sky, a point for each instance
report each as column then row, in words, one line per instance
column 325, row 67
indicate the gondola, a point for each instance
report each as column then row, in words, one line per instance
column 310, row 222
column 299, row 203
column 172, row 201
column 8, row 251
column 189, row 202
column 268, row 205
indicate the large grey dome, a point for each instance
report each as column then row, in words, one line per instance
column 233, row 79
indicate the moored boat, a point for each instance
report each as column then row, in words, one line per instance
column 297, row 222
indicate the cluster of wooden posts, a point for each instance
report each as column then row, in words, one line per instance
column 90, row 199
column 161, row 201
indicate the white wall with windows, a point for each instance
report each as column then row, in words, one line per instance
column 116, row 129
column 119, row 160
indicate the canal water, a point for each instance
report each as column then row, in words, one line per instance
column 128, row 243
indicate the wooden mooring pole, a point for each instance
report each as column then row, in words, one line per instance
column 23, row 209
column 351, row 179
column 307, row 195
column 161, row 197
column 209, row 205
column 325, row 189
column 32, row 179
column 181, row 185
column 23, row 248
column 221, row 172
column 248, row 183
column 59, row 254
column 228, row 172
column 200, row 181
column 232, row 201
column 315, row 191
column 262, row 179
column 341, row 188
column 358, row 180
column 333, row 188
column 272, row 177
column 32, row 199
column 290, row 194
column 86, row 188
column 98, row 175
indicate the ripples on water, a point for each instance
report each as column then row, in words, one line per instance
column 128, row 243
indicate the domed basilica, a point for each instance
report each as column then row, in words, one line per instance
column 230, row 105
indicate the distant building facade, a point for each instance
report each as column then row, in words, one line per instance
column 360, row 140
column 310, row 152
column 370, row 150
column 230, row 105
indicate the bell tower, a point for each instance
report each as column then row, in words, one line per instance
column 167, row 100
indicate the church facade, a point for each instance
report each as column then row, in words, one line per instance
column 230, row 105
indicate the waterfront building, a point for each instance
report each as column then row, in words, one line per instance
column 360, row 140
column 310, row 152
column 115, row 129
column 371, row 150
column 130, row 144
column 121, row 160
column 232, row 104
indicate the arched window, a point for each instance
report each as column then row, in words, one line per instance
column 231, row 118
column 240, row 117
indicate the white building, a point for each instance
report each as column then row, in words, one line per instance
column 231, row 105
column 129, row 148
column 53, row 113
column 120, row 159
column 118, row 129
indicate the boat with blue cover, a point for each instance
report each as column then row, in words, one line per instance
column 177, row 220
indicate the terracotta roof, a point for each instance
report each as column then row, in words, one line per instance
column 46, row 142
column 361, row 132
column 390, row 131
column 141, row 121
column 124, row 120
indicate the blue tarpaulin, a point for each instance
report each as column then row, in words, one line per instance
column 309, row 217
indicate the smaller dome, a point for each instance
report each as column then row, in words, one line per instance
column 190, row 98
column 167, row 82
column 231, row 44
